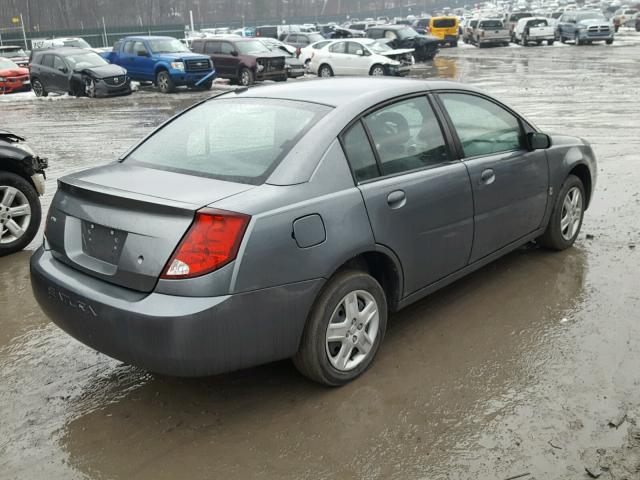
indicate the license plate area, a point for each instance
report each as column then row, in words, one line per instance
column 103, row 243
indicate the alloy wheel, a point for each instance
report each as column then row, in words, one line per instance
column 325, row 72
column 352, row 330
column 245, row 78
column 571, row 213
column 15, row 214
column 377, row 71
column 163, row 82
column 37, row 88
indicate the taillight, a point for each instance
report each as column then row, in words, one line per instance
column 211, row 242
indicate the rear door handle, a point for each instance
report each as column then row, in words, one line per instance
column 396, row 199
column 487, row 177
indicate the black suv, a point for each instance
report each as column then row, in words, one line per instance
column 76, row 71
column 402, row 36
column 21, row 182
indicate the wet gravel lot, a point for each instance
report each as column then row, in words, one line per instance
column 517, row 369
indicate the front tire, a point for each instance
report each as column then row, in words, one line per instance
column 567, row 215
column 344, row 330
column 20, row 213
column 165, row 82
column 377, row 71
column 609, row 41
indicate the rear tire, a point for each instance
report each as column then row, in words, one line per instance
column 325, row 71
column 336, row 349
column 609, row 41
column 21, row 193
column 550, row 42
column 559, row 234
column 38, row 88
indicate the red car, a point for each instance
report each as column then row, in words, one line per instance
column 12, row 77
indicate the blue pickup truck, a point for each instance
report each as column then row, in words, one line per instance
column 162, row 60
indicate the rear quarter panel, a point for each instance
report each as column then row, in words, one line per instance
column 269, row 255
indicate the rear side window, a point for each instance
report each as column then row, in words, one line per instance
column 234, row 139
column 407, row 136
column 339, row 47
column 128, row 48
column 47, row 61
column 483, row 127
column 359, row 154
column 212, row 47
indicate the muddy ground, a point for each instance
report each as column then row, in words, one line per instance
column 517, row 369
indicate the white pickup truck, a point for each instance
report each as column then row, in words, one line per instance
column 534, row 30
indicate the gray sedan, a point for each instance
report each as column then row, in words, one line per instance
column 289, row 221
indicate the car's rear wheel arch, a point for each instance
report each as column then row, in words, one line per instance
column 382, row 265
column 582, row 172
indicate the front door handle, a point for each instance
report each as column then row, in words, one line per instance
column 487, row 177
column 396, row 199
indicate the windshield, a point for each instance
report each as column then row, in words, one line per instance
column 6, row 64
column 234, row 139
column 81, row 61
column 167, row 45
column 315, row 37
column 405, row 33
column 591, row 16
column 13, row 52
column 76, row 42
column 379, row 47
column 252, row 46
column 491, row 24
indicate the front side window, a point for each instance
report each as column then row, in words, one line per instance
column 483, row 127
column 226, row 48
column 234, row 139
column 407, row 136
column 59, row 64
column 139, row 48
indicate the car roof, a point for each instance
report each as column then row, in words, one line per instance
column 7, row 47
column 63, row 51
column 147, row 37
column 345, row 91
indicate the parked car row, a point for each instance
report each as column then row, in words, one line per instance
column 581, row 27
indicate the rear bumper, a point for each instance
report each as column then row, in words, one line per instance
column 181, row 336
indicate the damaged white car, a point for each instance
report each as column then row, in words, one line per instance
column 364, row 56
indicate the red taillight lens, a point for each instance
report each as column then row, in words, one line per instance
column 211, row 242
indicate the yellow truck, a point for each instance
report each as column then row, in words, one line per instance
column 446, row 29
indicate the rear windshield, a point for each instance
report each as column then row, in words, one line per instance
column 444, row 23
column 234, row 139
column 517, row 16
column 491, row 24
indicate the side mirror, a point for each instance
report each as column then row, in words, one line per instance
column 234, row 53
column 143, row 53
column 360, row 52
column 63, row 70
column 538, row 141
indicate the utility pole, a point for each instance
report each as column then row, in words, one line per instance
column 24, row 34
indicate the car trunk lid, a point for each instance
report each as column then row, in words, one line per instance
column 121, row 222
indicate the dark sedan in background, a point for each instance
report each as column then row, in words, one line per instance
column 288, row 221
column 402, row 36
column 77, row 71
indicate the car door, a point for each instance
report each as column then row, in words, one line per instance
column 510, row 183
column 46, row 73
column 358, row 59
column 60, row 75
column 337, row 58
column 417, row 196
column 144, row 64
column 228, row 60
